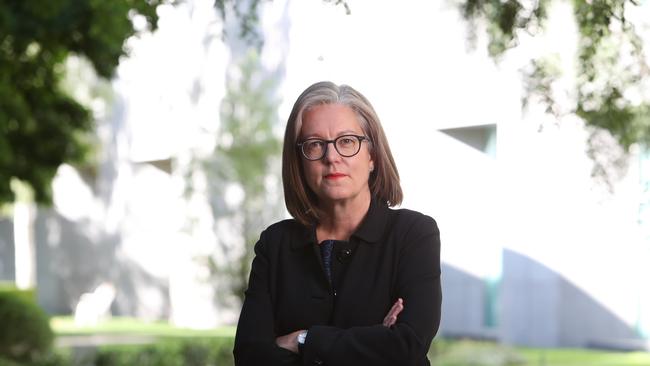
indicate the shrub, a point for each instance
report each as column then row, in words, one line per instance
column 166, row 352
column 169, row 352
column 52, row 359
column 25, row 334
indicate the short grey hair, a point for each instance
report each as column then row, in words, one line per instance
column 384, row 181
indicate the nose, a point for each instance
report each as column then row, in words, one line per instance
column 330, row 153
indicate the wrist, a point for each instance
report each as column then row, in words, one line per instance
column 302, row 338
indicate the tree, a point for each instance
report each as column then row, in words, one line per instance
column 41, row 126
column 610, row 91
column 244, row 162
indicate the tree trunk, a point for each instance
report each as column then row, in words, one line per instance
column 25, row 250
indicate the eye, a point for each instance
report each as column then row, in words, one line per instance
column 346, row 141
column 314, row 144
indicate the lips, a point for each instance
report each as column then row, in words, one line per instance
column 334, row 176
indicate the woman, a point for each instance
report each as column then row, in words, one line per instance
column 347, row 281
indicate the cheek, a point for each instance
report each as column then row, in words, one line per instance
column 364, row 163
column 312, row 173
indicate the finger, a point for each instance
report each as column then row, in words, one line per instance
column 386, row 322
column 395, row 306
column 399, row 307
column 392, row 317
column 391, row 321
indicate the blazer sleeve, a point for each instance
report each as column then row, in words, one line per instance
column 255, row 339
column 408, row 341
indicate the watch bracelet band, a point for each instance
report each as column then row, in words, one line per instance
column 302, row 337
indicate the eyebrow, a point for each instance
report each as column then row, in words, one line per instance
column 342, row 133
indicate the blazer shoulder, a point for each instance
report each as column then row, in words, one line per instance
column 288, row 226
column 281, row 232
column 413, row 221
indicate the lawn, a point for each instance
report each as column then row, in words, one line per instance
column 65, row 326
column 582, row 357
column 444, row 352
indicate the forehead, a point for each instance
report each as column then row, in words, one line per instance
column 328, row 119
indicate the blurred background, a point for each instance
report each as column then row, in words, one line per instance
column 140, row 156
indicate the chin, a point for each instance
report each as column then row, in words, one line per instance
column 339, row 195
column 335, row 196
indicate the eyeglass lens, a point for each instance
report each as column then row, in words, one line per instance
column 347, row 145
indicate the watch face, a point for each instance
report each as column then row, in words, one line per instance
column 301, row 337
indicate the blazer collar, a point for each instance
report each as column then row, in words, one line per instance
column 373, row 225
column 370, row 230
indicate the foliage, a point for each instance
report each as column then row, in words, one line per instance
column 443, row 352
column 242, row 164
column 10, row 287
column 169, row 352
column 246, row 13
column 25, row 335
column 56, row 357
column 41, row 126
column 611, row 88
column 164, row 352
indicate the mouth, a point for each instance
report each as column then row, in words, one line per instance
column 334, row 176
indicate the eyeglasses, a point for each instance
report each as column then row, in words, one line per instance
column 346, row 145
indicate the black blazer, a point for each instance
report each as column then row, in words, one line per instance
column 394, row 253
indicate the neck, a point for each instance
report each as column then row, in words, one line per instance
column 343, row 218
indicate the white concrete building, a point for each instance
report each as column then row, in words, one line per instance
column 535, row 252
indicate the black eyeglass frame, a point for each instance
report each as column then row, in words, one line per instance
column 328, row 142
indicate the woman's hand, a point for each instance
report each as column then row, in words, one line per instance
column 289, row 341
column 391, row 317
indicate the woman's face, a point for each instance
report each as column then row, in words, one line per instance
column 336, row 178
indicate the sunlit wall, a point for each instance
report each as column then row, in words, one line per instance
column 534, row 250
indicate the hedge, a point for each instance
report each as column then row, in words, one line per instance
column 166, row 352
column 25, row 333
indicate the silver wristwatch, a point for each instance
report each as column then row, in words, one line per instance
column 301, row 338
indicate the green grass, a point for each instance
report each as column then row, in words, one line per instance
column 464, row 352
column 65, row 326
column 583, row 357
